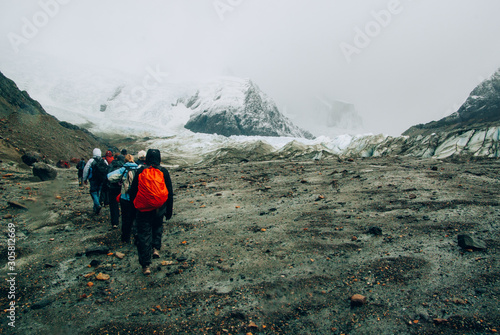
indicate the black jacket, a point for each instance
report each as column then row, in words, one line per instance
column 153, row 159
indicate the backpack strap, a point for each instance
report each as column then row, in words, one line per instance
column 127, row 169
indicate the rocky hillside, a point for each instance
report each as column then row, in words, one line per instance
column 481, row 110
column 25, row 126
column 238, row 107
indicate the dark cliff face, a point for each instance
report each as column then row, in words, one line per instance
column 483, row 104
column 13, row 100
column 249, row 114
column 480, row 110
column 25, row 126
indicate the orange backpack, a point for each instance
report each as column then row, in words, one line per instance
column 152, row 192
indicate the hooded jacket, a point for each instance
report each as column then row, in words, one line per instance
column 96, row 153
column 153, row 159
column 109, row 157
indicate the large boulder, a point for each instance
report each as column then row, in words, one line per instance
column 44, row 171
column 31, row 158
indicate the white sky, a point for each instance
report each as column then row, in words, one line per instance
column 419, row 64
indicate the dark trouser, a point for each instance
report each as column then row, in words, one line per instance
column 104, row 195
column 128, row 217
column 114, row 208
column 149, row 231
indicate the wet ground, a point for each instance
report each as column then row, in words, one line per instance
column 264, row 248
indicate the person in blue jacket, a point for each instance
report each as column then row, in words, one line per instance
column 125, row 175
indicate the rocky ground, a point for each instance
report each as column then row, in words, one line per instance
column 264, row 248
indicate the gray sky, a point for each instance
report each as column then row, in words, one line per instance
column 400, row 62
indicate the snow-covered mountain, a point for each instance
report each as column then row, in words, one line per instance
column 105, row 101
column 154, row 106
column 150, row 104
column 234, row 106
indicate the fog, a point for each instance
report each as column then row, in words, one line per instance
column 400, row 62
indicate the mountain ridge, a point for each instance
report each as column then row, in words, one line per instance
column 238, row 107
column 480, row 110
column 25, row 126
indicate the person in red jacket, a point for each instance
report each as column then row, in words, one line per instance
column 109, row 156
column 149, row 220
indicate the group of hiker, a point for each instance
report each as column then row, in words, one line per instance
column 142, row 190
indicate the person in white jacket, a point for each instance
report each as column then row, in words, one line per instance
column 95, row 180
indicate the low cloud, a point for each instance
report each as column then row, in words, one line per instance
column 399, row 62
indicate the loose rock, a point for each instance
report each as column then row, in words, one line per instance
column 469, row 242
column 358, row 300
column 102, row 276
column 377, row 231
column 100, row 250
column 16, row 204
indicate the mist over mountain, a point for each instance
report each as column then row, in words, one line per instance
column 333, row 117
column 111, row 102
column 195, row 119
column 472, row 131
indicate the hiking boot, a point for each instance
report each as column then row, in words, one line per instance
column 97, row 210
column 156, row 253
column 146, row 270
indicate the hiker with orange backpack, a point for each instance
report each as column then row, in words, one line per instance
column 152, row 195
